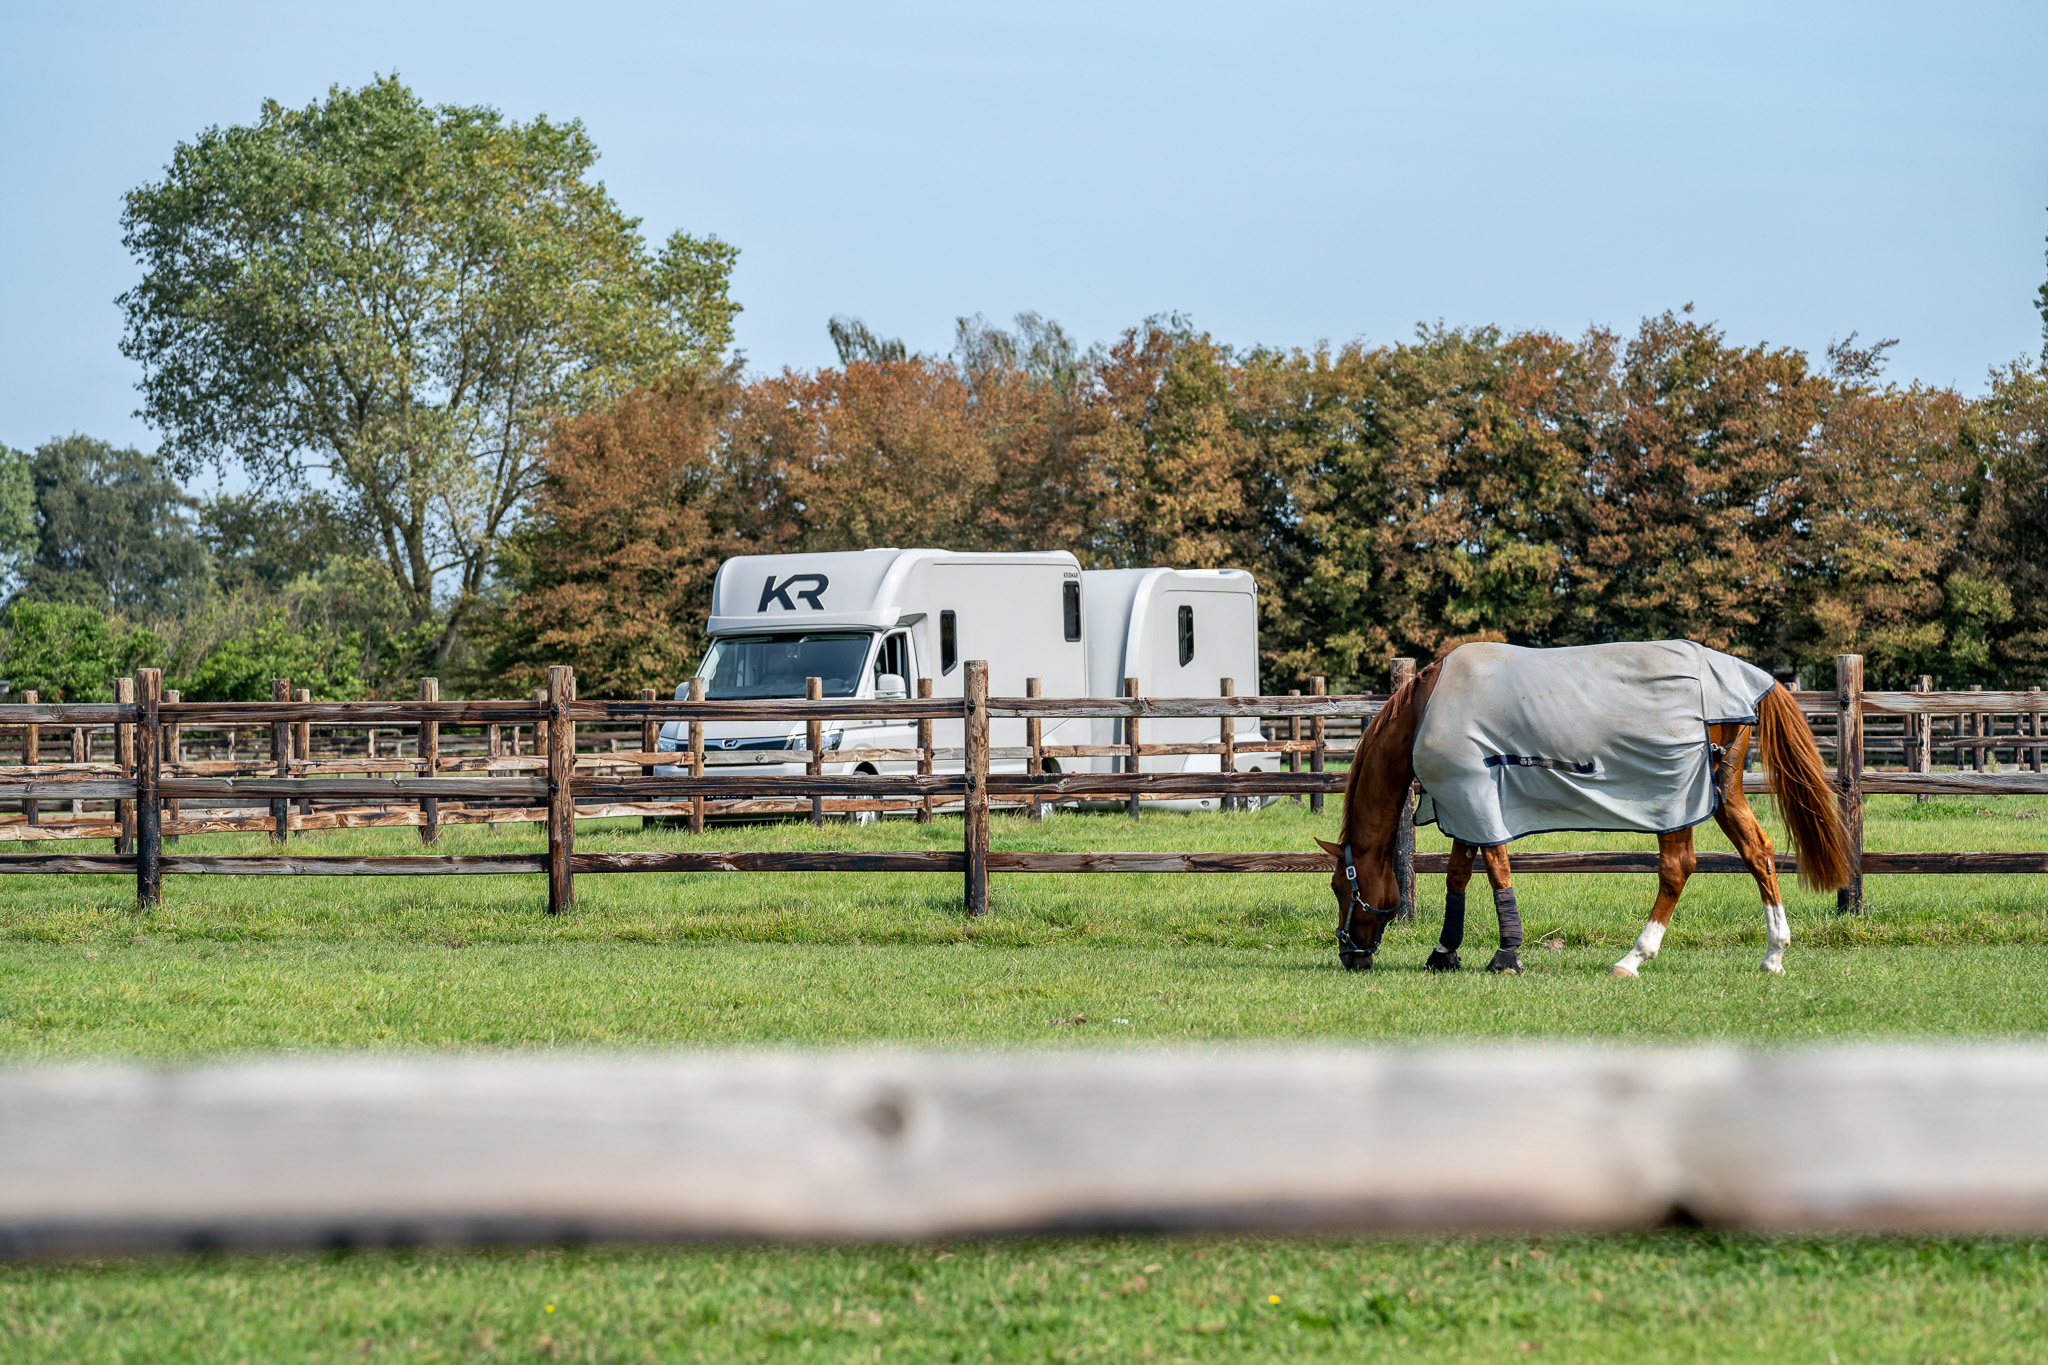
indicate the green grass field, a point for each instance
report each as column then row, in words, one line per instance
column 232, row 965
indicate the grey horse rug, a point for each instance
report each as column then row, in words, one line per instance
column 1600, row 737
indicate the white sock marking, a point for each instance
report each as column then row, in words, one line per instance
column 1777, row 935
column 1647, row 944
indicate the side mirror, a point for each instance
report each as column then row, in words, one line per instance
column 890, row 687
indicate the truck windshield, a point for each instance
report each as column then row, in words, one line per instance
column 741, row 667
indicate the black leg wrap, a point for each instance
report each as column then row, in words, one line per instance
column 1454, row 921
column 1510, row 918
column 1509, row 958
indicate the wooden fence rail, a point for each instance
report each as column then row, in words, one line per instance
column 556, row 785
column 350, row 1152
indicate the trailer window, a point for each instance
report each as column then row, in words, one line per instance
column 1187, row 636
column 949, row 642
column 743, row 667
column 1070, row 600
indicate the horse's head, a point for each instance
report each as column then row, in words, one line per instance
column 1368, row 896
column 1368, row 891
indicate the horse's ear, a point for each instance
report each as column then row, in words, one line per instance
column 1334, row 850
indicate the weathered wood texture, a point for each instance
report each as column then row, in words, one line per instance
column 814, row 746
column 697, row 689
column 975, row 811
column 782, row 708
column 1318, row 744
column 366, row 1151
column 1133, row 761
column 1023, row 785
column 1849, row 773
column 281, row 755
column 430, row 763
column 925, row 756
column 149, row 877
column 1161, row 708
column 2031, row 701
column 32, row 757
column 124, row 759
column 561, row 742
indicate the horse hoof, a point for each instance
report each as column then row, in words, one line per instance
column 1442, row 962
column 1773, row 968
column 1621, row 971
column 1506, row 962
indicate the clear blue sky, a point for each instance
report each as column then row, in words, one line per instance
column 1280, row 173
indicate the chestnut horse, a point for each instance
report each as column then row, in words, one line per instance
column 1382, row 772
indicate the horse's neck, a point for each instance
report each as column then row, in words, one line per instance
column 1386, row 761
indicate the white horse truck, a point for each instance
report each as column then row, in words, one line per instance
column 870, row 623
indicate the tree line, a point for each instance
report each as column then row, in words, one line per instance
column 479, row 424
column 1394, row 499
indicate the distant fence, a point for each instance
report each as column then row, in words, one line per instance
column 149, row 780
column 353, row 1152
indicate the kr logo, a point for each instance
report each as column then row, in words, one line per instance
column 773, row 593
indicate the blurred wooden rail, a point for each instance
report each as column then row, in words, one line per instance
column 883, row 1146
column 159, row 796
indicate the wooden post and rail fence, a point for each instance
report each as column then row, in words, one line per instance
column 158, row 794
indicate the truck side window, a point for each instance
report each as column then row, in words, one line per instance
column 894, row 657
column 1070, row 595
column 1187, row 636
column 949, row 643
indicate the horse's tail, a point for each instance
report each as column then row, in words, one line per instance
column 1806, row 799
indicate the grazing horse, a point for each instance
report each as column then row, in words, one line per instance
column 1641, row 737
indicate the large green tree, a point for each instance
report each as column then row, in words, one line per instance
column 113, row 531
column 17, row 514
column 400, row 298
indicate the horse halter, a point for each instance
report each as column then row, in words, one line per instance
column 1348, row 951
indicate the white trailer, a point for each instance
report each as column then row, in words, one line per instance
column 870, row 623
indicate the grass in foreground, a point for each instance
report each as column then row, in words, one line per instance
column 1661, row 1297
column 238, row 964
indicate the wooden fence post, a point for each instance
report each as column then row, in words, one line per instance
column 1131, row 739
column 281, row 758
column 924, row 752
column 697, row 801
column 1849, row 773
column 650, row 736
column 975, row 809
column 1923, row 738
column 124, row 763
column 149, row 873
column 1034, row 737
column 430, row 762
column 2034, row 756
column 31, row 755
column 814, row 744
column 1294, row 739
column 1226, row 756
column 1317, row 736
column 174, row 755
column 561, row 690
column 81, row 752
column 302, row 748
column 1978, row 726
column 1404, row 833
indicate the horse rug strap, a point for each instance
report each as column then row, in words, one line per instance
column 1599, row 737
